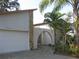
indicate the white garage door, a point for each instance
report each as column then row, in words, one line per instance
column 12, row 41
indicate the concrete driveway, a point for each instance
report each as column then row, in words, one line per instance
column 43, row 53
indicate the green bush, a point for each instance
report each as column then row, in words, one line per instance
column 74, row 49
column 68, row 47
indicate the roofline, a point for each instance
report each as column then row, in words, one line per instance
column 39, row 24
column 3, row 13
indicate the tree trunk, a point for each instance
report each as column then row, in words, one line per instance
column 55, row 41
column 76, row 15
column 77, row 31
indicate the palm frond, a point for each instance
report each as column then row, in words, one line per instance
column 44, row 3
column 47, row 15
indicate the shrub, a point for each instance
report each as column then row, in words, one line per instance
column 74, row 49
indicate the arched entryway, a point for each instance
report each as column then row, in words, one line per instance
column 44, row 38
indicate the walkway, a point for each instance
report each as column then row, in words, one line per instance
column 43, row 53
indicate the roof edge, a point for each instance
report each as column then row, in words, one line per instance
column 2, row 13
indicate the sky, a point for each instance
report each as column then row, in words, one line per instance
column 34, row 4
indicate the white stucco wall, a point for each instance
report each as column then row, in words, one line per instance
column 46, row 40
column 16, row 21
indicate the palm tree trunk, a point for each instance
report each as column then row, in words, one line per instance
column 64, row 42
column 75, row 11
column 77, row 31
column 55, row 41
column 77, row 26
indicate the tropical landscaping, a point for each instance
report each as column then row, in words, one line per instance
column 68, row 41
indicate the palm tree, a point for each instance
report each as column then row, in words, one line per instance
column 74, row 3
column 55, row 21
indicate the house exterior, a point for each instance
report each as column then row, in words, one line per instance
column 16, row 31
column 42, row 35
